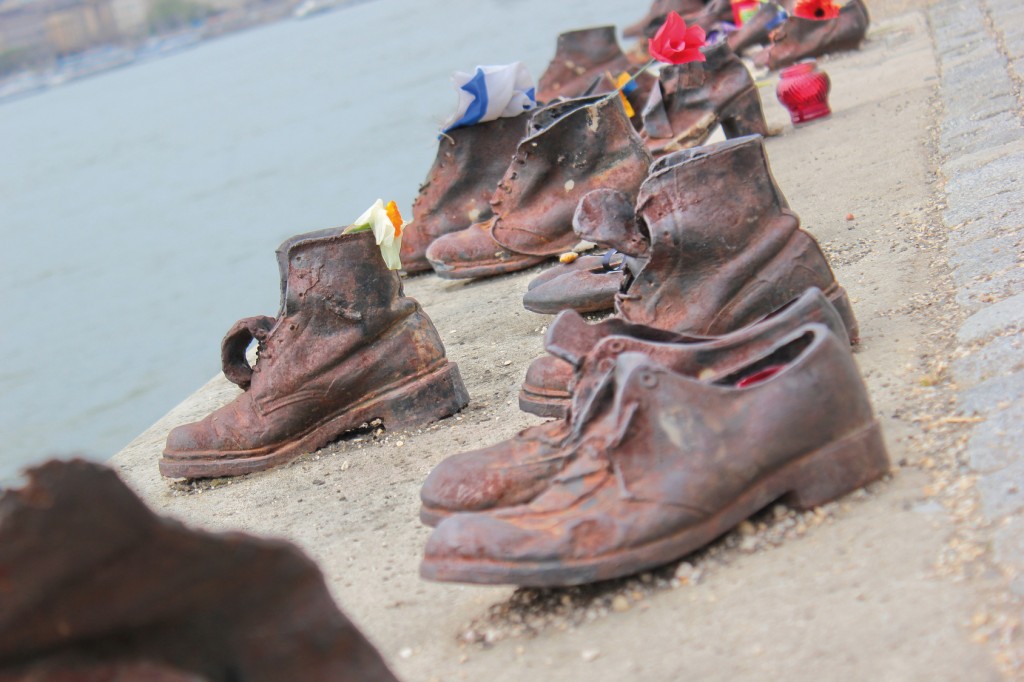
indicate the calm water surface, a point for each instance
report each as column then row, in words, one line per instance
column 140, row 209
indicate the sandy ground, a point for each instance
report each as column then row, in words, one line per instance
column 888, row 584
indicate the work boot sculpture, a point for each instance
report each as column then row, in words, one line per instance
column 474, row 149
column 816, row 28
column 347, row 347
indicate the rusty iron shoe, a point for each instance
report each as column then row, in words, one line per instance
column 691, row 100
column 347, row 347
column 469, row 163
column 800, row 38
column 712, row 262
column 97, row 587
column 517, row 470
column 649, row 24
column 587, row 285
column 573, row 147
column 713, row 13
column 665, row 463
column 581, row 57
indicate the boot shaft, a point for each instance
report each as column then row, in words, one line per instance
column 574, row 147
column 581, row 56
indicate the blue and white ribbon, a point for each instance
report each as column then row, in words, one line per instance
column 491, row 92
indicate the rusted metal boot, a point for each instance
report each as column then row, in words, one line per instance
column 574, row 147
column 587, row 285
column 713, row 13
column 757, row 29
column 347, row 347
column 663, row 463
column 470, row 161
column 690, row 100
column 725, row 247
column 97, row 588
column 517, row 470
column 801, row 38
column 581, row 57
column 655, row 17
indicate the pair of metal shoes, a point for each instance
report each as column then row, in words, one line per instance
column 667, row 444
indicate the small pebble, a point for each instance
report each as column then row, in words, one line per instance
column 620, row 603
column 590, row 654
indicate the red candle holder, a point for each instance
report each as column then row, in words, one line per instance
column 803, row 90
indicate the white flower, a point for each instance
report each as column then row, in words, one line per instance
column 387, row 225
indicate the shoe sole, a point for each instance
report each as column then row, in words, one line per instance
column 427, row 398
column 486, row 269
column 804, row 483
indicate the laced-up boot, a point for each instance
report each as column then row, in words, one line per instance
column 470, row 161
column 573, row 147
column 347, row 347
column 581, row 57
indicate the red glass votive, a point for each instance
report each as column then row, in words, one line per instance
column 803, row 90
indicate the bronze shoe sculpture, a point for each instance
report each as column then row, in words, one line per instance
column 98, row 588
column 664, row 463
column 655, row 17
column 691, row 100
column 573, row 147
column 581, row 57
column 517, row 470
column 587, row 285
column 470, row 161
column 760, row 260
column 347, row 347
column 799, row 38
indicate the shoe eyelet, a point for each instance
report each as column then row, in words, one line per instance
column 648, row 379
column 605, row 364
column 616, row 345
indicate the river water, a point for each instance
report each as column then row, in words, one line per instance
column 140, row 209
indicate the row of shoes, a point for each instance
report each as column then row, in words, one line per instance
column 723, row 382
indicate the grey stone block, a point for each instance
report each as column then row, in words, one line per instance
column 981, row 218
column 1002, row 492
column 999, row 441
column 1003, row 354
column 966, row 136
column 982, row 290
column 998, row 317
column 1001, row 176
column 993, row 395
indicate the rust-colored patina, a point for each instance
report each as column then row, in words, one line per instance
column 347, row 347
column 581, row 58
column 469, row 163
column 690, row 100
column 663, row 462
column 587, row 285
column 649, row 24
column 800, row 38
column 95, row 587
column 714, row 13
column 573, row 147
column 517, row 470
column 726, row 249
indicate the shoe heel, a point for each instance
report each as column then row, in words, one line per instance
column 838, row 469
column 427, row 399
column 841, row 302
column 744, row 116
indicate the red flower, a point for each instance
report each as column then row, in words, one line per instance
column 676, row 44
column 816, row 9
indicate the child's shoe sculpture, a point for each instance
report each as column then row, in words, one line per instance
column 348, row 347
column 801, row 38
column 690, row 100
column 470, row 161
column 663, row 463
column 573, row 147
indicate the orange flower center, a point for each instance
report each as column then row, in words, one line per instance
column 395, row 217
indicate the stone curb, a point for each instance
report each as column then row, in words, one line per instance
column 980, row 50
